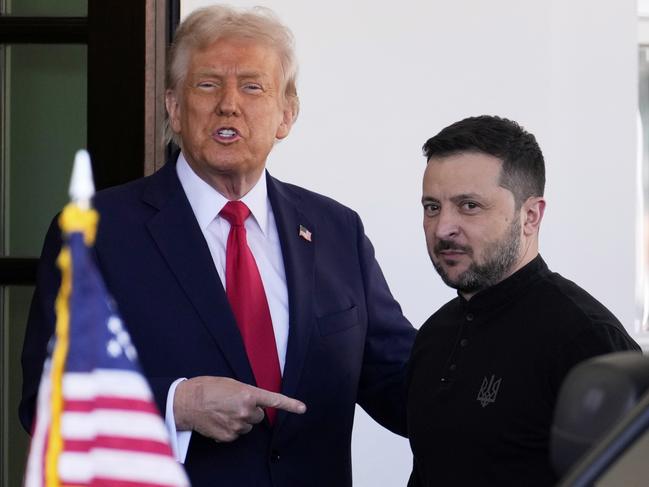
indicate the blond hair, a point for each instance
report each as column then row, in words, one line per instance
column 207, row 25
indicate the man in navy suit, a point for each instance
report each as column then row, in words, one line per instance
column 340, row 337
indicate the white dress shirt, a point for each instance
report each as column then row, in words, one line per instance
column 264, row 244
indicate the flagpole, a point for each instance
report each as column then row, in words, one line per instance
column 76, row 216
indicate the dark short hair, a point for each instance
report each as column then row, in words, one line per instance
column 523, row 168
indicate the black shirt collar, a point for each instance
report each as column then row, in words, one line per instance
column 507, row 289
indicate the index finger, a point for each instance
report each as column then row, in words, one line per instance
column 268, row 399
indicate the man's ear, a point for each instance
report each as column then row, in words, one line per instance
column 532, row 214
column 289, row 114
column 173, row 110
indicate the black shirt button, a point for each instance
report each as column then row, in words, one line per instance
column 274, row 456
column 452, row 367
column 443, row 380
column 469, row 316
column 464, row 342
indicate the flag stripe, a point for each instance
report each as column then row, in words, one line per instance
column 105, row 402
column 119, row 465
column 121, row 443
column 118, row 383
column 85, row 426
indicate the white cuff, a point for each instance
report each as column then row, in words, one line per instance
column 179, row 439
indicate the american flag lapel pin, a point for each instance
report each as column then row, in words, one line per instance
column 305, row 233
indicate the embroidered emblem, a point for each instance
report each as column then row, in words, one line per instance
column 489, row 390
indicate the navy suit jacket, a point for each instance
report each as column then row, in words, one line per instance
column 348, row 340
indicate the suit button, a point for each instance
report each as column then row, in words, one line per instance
column 464, row 342
column 469, row 317
column 452, row 367
column 274, row 456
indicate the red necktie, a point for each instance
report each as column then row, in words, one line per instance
column 247, row 298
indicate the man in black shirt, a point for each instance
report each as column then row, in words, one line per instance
column 486, row 368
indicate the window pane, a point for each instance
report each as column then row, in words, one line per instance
column 38, row 8
column 45, row 111
column 15, row 305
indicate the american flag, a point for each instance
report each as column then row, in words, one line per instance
column 305, row 233
column 96, row 421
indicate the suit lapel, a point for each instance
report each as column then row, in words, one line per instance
column 298, row 254
column 182, row 244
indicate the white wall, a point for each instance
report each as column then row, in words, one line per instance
column 378, row 78
column 643, row 7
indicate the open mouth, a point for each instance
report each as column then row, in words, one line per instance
column 226, row 134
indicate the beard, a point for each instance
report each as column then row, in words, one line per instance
column 499, row 258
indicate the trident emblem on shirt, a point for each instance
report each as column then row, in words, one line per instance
column 488, row 390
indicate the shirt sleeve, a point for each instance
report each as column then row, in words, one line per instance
column 597, row 339
column 179, row 440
